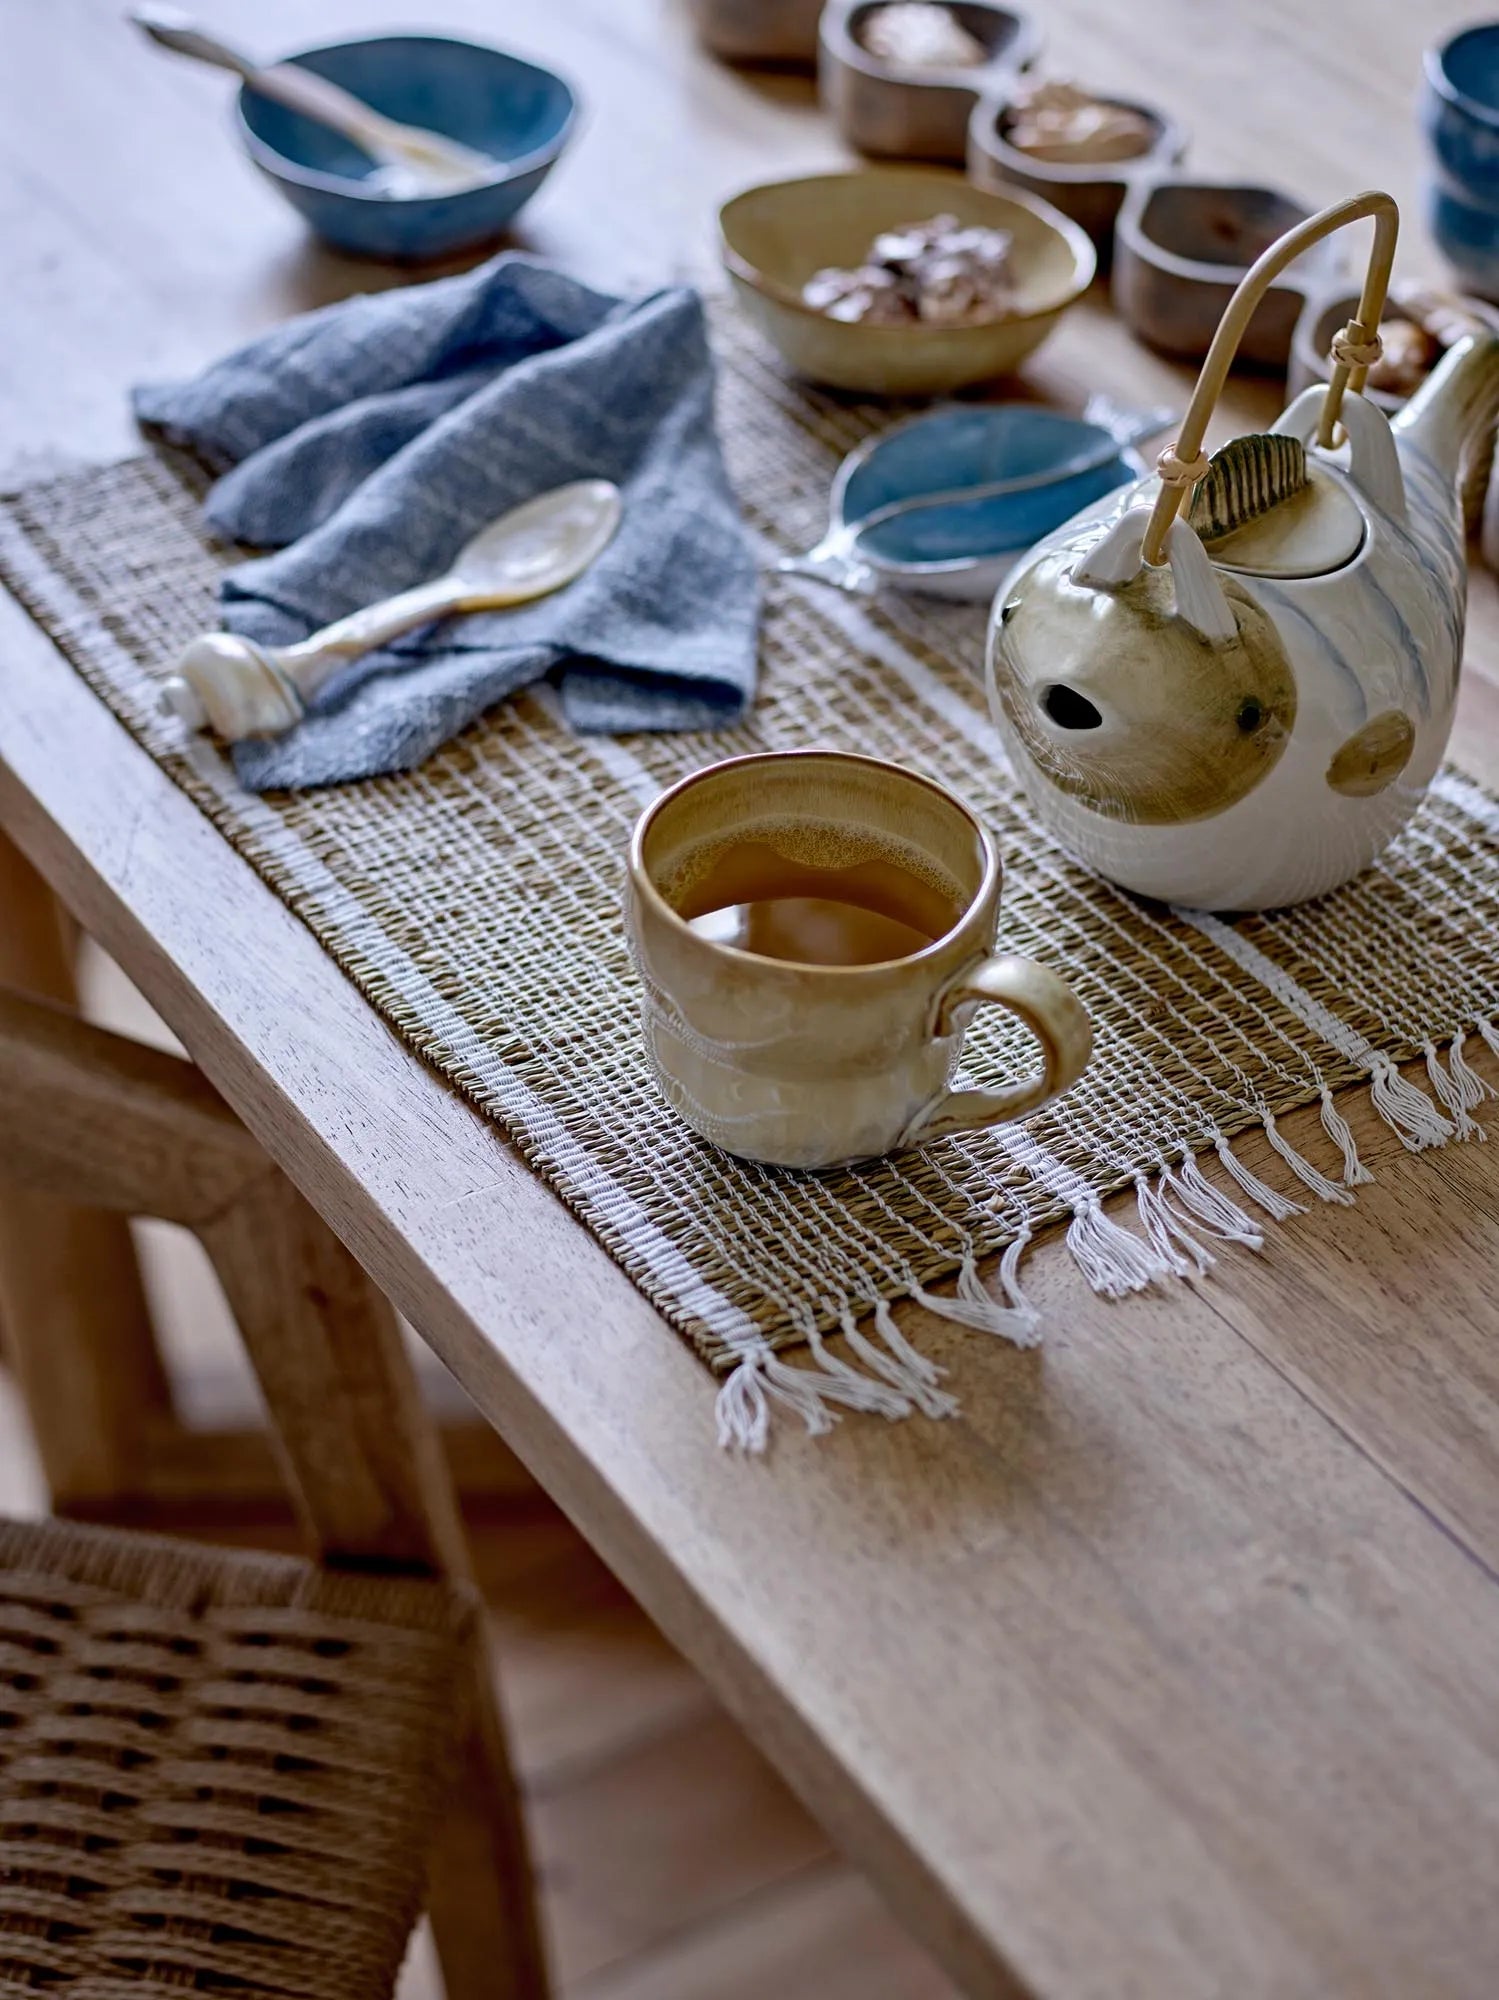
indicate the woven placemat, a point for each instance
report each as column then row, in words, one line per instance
column 476, row 901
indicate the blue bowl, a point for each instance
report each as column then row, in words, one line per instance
column 1460, row 119
column 515, row 110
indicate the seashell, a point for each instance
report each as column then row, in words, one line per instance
column 936, row 271
column 1245, row 480
column 920, row 34
column 1058, row 122
column 869, row 293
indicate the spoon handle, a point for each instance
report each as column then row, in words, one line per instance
column 299, row 89
column 314, row 660
column 833, row 561
column 177, row 31
column 238, row 689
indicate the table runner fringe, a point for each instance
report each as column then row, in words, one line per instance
column 1276, row 1205
column 1175, row 1208
column 1169, row 1236
column 1114, row 1262
column 1221, row 1216
column 1309, row 1176
column 913, row 1377
column 1408, row 1112
column 1479, row 1087
column 1335, row 1125
column 1458, row 1088
column 971, row 1305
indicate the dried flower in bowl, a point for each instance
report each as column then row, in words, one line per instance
column 1068, row 126
column 1416, row 336
column 920, row 34
column 935, row 272
column 1410, row 352
column 871, row 294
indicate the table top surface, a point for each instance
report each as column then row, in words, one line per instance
column 1169, row 1668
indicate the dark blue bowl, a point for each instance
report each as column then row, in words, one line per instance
column 520, row 113
column 1460, row 119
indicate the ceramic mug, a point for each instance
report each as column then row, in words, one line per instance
column 1460, row 120
column 812, row 1065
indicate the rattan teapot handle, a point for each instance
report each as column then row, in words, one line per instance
column 1354, row 350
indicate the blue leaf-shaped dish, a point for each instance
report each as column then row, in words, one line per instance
column 946, row 502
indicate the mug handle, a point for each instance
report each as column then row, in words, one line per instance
column 1054, row 1015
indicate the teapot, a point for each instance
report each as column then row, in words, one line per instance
column 1229, row 684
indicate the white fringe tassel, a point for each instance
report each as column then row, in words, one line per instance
column 1175, row 1245
column 855, row 1391
column 1009, row 1276
column 1302, row 1168
column 1277, row 1206
column 1175, row 1209
column 1474, row 1087
column 1408, row 1112
column 971, row 1305
column 1459, row 1097
column 1113, row 1262
column 814, row 1394
column 910, row 1374
column 1220, row 1216
column 762, row 1377
column 742, row 1411
column 1335, row 1125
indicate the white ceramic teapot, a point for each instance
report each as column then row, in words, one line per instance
column 1240, row 706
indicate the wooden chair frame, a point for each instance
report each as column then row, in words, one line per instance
column 111, row 1444
column 95, row 1128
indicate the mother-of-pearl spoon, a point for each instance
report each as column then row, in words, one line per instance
column 238, row 689
column 409, row 160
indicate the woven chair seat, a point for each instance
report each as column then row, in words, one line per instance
column 219, row 1773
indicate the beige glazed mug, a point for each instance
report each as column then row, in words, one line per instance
column 811, row 1064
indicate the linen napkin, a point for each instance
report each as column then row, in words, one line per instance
column 371, row 439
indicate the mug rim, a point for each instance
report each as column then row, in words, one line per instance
column 641, row 880
column 1445, row 86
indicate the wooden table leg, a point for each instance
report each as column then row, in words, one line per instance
column 366, row 1464
column 77, row 1329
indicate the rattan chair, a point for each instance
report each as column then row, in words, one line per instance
column 219, row 1773
column 223, row 1773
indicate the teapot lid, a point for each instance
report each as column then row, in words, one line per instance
column 1311, row 531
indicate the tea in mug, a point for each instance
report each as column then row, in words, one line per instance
column 818, row 910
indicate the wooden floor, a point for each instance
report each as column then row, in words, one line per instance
column 674, row 1863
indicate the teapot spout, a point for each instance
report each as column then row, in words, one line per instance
column 1451, row 418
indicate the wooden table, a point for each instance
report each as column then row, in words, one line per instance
column 1171, row 1669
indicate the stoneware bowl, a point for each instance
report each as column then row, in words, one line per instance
column 1091, row 194
column 1311, row 344
column 914, row 114
column 515, row 110
column 759, row 31
column 1311, row 362
column 774, row 236
column 1460, row 118
column 1181, row 247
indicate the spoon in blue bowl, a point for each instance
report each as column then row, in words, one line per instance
column 410, row 161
